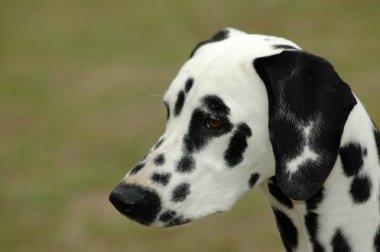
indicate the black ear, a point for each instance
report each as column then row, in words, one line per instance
column 308, row 107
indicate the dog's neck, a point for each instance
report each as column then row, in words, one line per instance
column 344, row 214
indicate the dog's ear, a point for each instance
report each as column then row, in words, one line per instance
column 308, row 107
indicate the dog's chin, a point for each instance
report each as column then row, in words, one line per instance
column 172, row 223
column 181, row 220
column 169, row 219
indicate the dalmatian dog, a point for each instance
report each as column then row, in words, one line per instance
column 251, row 111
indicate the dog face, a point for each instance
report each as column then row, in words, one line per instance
column 217, row 144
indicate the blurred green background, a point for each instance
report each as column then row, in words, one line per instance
column 80, row 103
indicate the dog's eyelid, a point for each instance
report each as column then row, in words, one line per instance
column 217, row 116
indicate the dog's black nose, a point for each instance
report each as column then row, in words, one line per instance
column 136, row 203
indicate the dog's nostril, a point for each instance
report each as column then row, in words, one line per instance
column 136, row 203
column 126, row 198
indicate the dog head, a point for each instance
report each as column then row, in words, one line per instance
column 242, row 109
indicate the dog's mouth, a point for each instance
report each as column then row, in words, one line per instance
column 170, row 218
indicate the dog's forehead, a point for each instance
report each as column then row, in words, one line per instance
column 215, row 65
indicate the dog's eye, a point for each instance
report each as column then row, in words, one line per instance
column 214, row 123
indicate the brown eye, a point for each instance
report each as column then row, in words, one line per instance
column 214, row 123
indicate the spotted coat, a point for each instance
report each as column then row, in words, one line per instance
column 250, row 111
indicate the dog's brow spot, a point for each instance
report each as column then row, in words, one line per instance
column 179, row 103
column 216, row 105
column 186, row 164
column 181, row 192
column 161, row 178
column 189, row 84
column 159, row 160
column 136, row 169
column 253, row 179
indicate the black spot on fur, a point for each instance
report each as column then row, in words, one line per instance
column 161, row 178
column 137, row 168
column 180, row 220
column 216, row 105
column 376, row 241
column 199, row 135
column 159, row 143
column 221, row 35
column 186, row 164
column 167, row 216
column 288, row 231
column 313, row 202
column 253, row 179
column 171, row 219
column 238, row 143
column 276, row 192
column 340, row 243
column 189, row 84
column 360, row 189
column 181, row 192
column 284, row 47
column 194, row 140
column 311, row 222
column 377, row 139
column 179, row 103
column 352, row 158
column 159, row 160
column 365, row 152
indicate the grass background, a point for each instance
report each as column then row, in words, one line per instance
column 80, row 86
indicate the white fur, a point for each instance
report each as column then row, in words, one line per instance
column 306, row 154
